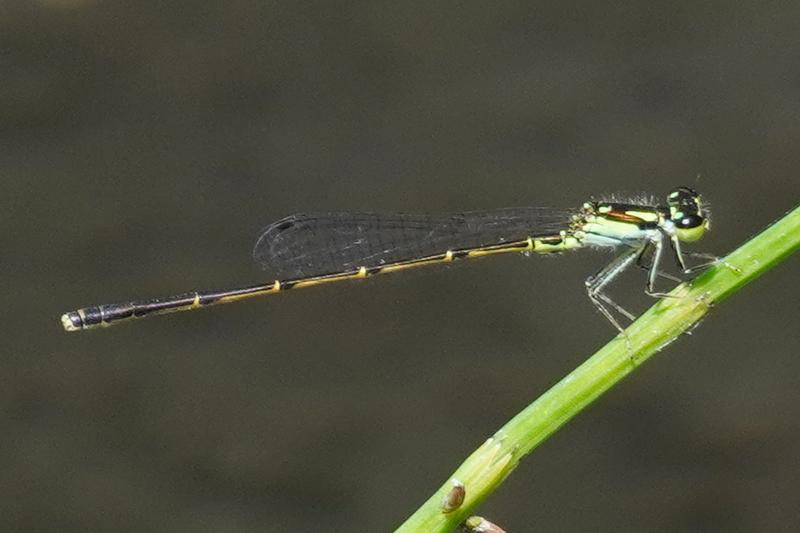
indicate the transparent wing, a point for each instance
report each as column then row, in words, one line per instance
column 304, row 245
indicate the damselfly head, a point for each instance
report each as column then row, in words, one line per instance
column 687, row 213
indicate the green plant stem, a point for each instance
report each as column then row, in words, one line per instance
column 488, row 466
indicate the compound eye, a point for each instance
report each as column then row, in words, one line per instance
column 690, row 221
column 683, row 199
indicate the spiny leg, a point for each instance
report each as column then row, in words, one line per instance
column 711, row 260
column 679, row 255
column 640, row 264
column 660, row 274
column 596, row 283
column 675, row 244
column 658, row 254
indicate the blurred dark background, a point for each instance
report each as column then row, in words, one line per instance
column 143, row 145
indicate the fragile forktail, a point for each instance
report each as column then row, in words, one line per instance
column 312, row 249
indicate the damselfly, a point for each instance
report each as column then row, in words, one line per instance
column 311, row 249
